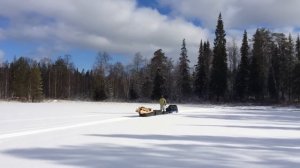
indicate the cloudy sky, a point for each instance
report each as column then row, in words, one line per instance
column 51, row 28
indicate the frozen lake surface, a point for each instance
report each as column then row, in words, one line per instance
column 111, row 135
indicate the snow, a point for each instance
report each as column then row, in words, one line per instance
column 65, row 134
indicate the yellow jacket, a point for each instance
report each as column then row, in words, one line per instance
column 162, row 101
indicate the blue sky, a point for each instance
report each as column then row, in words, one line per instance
column 47, row 28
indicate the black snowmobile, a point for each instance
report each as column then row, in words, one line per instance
column 146, row 112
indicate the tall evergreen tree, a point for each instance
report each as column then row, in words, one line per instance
column 259, row 65
column 133, row 95
column 207, row 64
column 184, row 81
column 20, row 75
column 199, row 80
column 290, row 65
column 36, row 86
column 273, row 77
column 298, row 48
column 99, row 86
column 256, row 73
column 296, row 81
column 296, row 71
column 147, row 87
column 218, row 83
column 284, row 64
column 202, row 70
column 158, row 85
column 61, row 79
column 242, row 77
column 159, row 71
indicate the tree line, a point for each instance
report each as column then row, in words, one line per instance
column 265, row 68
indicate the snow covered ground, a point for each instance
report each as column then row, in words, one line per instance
column 110, row 135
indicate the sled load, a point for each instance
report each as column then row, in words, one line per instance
column 145, row 112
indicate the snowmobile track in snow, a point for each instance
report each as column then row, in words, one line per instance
column 32, row 132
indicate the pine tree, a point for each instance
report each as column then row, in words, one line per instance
column 207, row 63
column 184, row 81
column 132, row 91
column 36, row 86
column 296, row 81
column 242, row 77
column 202, row 70
column 99, row 86
column 273, row 77
column 259, row 65
column 158, row 85
column 159, row 71
column 147, row 87
column 45, row 68
column 20, row 74
column 218, row 83
column 256, row 77
column 298, row 48
column 290, row 65
column 61, row 79
column 284, row 64
column 296, row 71
column 199, row 80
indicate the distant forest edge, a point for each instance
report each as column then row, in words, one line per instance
column 265, row 69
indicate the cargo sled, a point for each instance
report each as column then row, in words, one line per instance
column 146, row 112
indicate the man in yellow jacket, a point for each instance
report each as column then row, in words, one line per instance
column 163, row 103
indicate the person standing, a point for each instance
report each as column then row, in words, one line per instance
column 163, row 103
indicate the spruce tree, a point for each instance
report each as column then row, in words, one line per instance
column 20, row 75
column 158, row 85
column 36, row 86
column 259, row 65
column 132, row 91
column 99, row 86
column 202, row 70
column 274, row 75
column 283, row 64
column 184, row 80
column 296, row 72
column 159, row 70
column 147, row 87
column 296, row 81
column 207, row 62
column 242, row 77
column 290, row 65
column 298, row 48
column 199, row 80
column 218, row 83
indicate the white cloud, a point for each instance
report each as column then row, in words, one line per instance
column 117, row 26
column 120, row 27
column 2, row 54
column 239, row 14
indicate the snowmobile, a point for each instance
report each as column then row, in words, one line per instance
column 146, row 112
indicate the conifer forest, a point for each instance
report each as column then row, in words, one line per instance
column 265, row 68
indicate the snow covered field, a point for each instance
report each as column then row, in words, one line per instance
column 110, row 135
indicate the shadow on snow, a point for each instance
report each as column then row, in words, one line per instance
column 175, row 151
column 193, row 151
